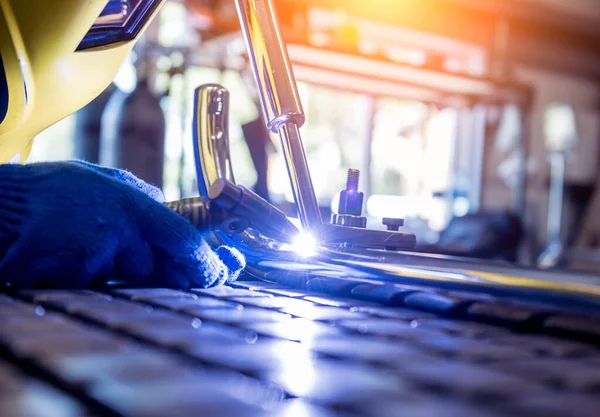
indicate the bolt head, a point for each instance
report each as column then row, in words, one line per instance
column 350, row 202
column 392, row 223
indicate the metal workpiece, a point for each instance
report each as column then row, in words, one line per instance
column 261, row 216
column 211, row 136
column 280, row 100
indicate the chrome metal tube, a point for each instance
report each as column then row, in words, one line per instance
column 304, row 194
column 211, row 136
column 270, row 64
column 280, row 100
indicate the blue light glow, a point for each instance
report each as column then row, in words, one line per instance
column 305, row 245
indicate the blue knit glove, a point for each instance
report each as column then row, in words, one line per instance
column 127, row 177
column 69, row 224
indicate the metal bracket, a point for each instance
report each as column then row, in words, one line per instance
column 336, row 235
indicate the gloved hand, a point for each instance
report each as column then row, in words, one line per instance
column 69, row 224
column 127, row 177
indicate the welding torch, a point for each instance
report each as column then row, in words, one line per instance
column 232, row 209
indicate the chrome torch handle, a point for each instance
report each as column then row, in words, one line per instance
column 280, row 100
column 211, row 136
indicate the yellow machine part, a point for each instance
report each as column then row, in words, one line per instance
column 47, row 78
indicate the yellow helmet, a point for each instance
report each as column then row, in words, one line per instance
column 58, row 55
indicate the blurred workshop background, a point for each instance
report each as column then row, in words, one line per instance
column 477, row 121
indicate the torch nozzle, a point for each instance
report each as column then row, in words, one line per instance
column 262, row 216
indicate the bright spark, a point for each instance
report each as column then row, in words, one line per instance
column 305, row 245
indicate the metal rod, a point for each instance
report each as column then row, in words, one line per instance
column 304, row 194
column 367, row 153
column 555, row 205
column 478, row 132
column 280, row 100
column 519, row 195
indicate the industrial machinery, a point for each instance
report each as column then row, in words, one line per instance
column 339, row 245
column 369, row 128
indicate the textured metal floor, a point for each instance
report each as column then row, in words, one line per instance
column 260, row 349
